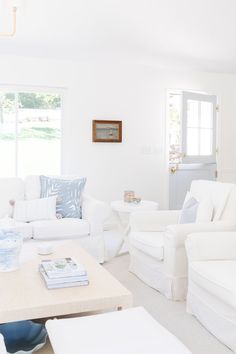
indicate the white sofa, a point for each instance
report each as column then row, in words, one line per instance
column 212, row 283
column 157, row 241
column 89, row 229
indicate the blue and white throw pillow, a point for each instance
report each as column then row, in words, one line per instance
column 68, row 192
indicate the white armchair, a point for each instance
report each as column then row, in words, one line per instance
column 157, row 241
column 212, row 287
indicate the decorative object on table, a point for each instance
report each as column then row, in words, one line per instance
column 129, row 196
column 137, row 200
column 68, row 192
column 107, row 131
column 23, row 337
column 63, row 273
column 45, row 248
column 10, row 246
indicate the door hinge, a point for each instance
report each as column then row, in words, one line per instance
column 216, row 174
column 217, row 108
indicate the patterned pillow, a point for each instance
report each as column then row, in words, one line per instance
column 69, row 194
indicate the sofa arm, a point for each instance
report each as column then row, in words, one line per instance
column 176, row 234
column 95, row 212
column 155, row 220
column 211, row 246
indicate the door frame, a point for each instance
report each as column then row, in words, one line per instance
column 218, row 132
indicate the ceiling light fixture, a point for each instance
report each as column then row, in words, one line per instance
column 13, row 31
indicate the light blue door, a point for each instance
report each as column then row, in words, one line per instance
column 197, row 146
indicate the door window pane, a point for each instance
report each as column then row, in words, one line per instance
column 206, row 115
column 205, row 142
column 192, row 141
column 193, row 114
column 199, row 128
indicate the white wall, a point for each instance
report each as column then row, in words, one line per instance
column 135, row 94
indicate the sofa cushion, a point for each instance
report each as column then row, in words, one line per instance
column 216, row 277
column 151, row 243
column 60, row 228
column 36, row 209
column 68, row 192
column 24, row 229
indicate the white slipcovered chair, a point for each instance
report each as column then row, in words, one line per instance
column 212, row 283
column 157, row 241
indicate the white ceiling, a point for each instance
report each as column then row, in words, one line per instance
column 193, row 33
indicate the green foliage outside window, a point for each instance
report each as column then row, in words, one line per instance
column 30, row 100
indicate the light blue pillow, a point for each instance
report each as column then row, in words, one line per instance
column 69, row 193
column 189, row 211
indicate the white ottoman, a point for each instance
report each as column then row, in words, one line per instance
column 131, row 331
column 2, row 345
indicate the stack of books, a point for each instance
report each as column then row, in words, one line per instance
column 63, row 273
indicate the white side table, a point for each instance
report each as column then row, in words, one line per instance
column 123, row 211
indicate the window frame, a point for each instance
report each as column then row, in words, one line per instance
column 199, row 97
column 16, row 89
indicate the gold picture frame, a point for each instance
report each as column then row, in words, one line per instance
column 107, row 131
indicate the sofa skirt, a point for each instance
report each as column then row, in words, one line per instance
column 216, row 316
column 152, row 272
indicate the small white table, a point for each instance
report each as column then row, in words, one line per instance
column 123, row 210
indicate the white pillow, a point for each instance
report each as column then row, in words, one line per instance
column 202, row 211
column 189, row 210
column 205, row 211
column 37, row 209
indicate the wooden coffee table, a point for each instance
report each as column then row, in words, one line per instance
column 25, row 296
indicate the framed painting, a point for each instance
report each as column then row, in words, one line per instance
column 107, row 131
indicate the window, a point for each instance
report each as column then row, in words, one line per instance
column 30, row 133
column 198, row 128
column 192, row 127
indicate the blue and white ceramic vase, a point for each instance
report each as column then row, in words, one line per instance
column 10, row 246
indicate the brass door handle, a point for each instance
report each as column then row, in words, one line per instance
column 173, row 169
